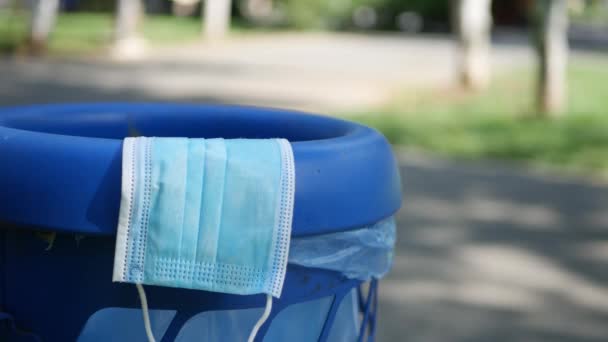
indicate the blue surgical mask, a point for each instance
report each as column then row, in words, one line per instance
column 208, row 214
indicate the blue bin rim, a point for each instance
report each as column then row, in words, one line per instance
column 61, row 163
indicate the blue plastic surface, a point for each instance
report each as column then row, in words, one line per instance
column 301, row 322
column 122, row 324
column 60, row 164
column 66, row 284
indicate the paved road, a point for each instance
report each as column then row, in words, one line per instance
column 318, row 72
column 495, row 253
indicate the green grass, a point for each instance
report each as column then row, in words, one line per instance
column 81, row 33
column 88, row 33
column 500, row 124
column 170, row 29
column 12, row 28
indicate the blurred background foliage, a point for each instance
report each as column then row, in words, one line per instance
column 393, row 15
column 590, row 11
column 86, row 33
column 365, row 14
column 86, row 25
column 410, row 15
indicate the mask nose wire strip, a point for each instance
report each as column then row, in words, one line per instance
column 145, row 313
column 262, row 319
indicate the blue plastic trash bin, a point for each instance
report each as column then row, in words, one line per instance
column 60, row 173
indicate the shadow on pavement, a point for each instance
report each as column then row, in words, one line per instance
column 37, row 82
column 489, row 253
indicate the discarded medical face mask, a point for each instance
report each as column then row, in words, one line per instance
column 208, row 214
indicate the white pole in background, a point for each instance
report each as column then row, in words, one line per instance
column 216, row 18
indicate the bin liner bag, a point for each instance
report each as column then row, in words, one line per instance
column 358, row 254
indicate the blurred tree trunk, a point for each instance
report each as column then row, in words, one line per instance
column 128, row 41
column 44, row 14
column 472, row 22
column 216, row 18
column 552, row 49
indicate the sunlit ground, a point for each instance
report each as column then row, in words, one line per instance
column 491, row 253
column 502, row 124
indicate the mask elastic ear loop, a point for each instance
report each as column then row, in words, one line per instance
column 262, row 319
column 144, row 310
column 148, row 326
